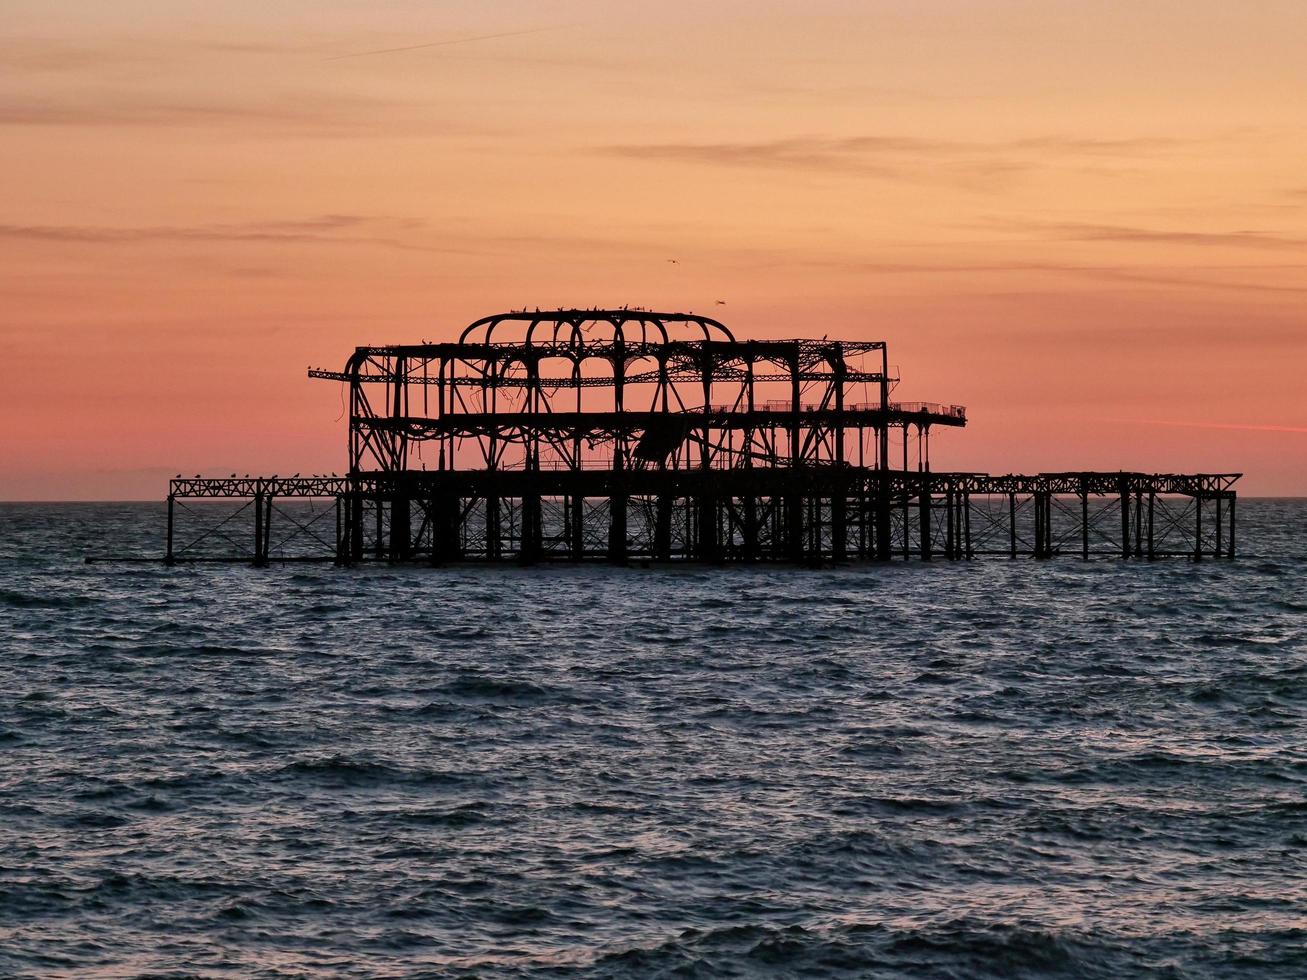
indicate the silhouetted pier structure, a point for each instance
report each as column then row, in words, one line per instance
column 627, row 435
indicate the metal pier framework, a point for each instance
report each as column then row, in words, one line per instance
column 627, row 435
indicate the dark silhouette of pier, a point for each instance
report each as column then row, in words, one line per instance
column 627, row 435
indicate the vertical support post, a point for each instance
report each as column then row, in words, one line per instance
column 1139, row 523
column 532, row 544
column 1125, row 519
column 574, row 514
column 950, row 550
column 617, row 524
column 446, row 529
column 750, row 528
column 1229, row 551
column 1012, row 522
column 884, row 544
column 258, row 528
column 1037, row 505
column 354, row 523
column 907, row 510
column 923, row 518
column 839, row 531
column 1216, row 553
column 709, row 536
column 1152, row 500
column 966, row 525
column 1043, row 524
column 794, row 531
column 167, row 554
column 663, row 528
column 1084, row 519
column 1198, row 526
column 267, row 528
column 432, row 505
column 494, row 530
column 342, row 553
column 400, row 526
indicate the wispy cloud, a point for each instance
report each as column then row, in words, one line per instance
column 298, row 111
column 1208, row 278
column 1235, row 426
column 1086, row 232
column 899, row 157
column 330, row 229
column 442, row 44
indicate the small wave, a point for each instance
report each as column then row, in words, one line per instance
column 499, row 690
column 26, row 600
column 346, row 771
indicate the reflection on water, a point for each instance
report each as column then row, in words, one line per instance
column 985, row 769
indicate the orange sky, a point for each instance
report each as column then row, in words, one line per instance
column 1086, row 222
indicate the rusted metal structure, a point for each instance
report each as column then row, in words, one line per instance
column 628, row 435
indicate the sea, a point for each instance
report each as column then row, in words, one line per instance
column 996, row 768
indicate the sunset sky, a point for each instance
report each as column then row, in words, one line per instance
column 1087, row 222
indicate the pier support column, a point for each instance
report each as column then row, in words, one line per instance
column 617, row 527
column 839, row 502
column 258, row 530
column 662, row 545
column 355, row 522
column 709, row 537
column 1152, row 501
column 1125, row 520
column 923, row 519
column 884, row 542
column 494, row 528
column 167, row 555
column 750, row 505
column 950, row 522
column 532, row 545
column 341, row 547
column 1043, row 519
column 1084, row 522
column 446, row 529
column 907, row 520
column 401, row 528
column 1139, row 524
column 574, row 519
column 969, row 552
column 794, row 527
column 1012, row 524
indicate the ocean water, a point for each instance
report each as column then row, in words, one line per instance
column 987, row 769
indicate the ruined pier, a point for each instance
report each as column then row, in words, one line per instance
column 632, row 436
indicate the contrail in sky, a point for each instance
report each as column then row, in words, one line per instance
column 441, row 44
column 1213, row 425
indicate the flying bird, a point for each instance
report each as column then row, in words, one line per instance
column 721, row 302
column 673, row 262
